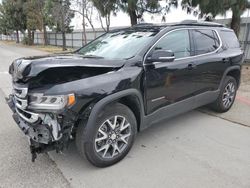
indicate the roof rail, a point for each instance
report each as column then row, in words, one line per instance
column 183, row 23
column 199, row 23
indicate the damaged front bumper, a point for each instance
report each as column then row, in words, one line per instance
column 41, row 128
column 46, row 131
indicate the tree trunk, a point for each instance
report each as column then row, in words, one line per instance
column 235, row 24
column 64, row 41
column 32, row 36
column 93, row 28
column 63, row 28
column 100, row 18
column 45, row 37
column 108, row 22
column 17, row 37
column 29, row 37
column 107, row 28
column 133, row 17
column 84, row 35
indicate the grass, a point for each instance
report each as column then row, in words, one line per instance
column 51, row 49
column 47, row 48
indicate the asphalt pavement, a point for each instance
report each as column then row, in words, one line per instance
column 192, row 150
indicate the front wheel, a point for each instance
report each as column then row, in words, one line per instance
column 227, row 95
column 110, row 139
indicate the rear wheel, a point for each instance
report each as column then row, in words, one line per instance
column 110, row 139
column 227, row 95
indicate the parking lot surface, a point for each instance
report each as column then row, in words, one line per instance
column 192, row 150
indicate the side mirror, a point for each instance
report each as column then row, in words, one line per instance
column 161, row 56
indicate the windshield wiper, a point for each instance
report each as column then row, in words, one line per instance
column 92, row 56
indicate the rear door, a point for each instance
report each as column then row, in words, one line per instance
column 208, row 58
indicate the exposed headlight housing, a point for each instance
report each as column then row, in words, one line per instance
column 39, row 101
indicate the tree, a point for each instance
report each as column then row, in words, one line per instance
column 4, row 28
column 86, row 9
column 237, row 10
column 62, row 14
column 136, row 8
column 215, row 7
column 39, row 16
column 33, row 16
column 13, row 17
column 105, row 8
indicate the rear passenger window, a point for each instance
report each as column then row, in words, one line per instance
column 229, row 39
column 205, row 41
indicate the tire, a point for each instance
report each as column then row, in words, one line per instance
column 220, row 105
column 104, row 144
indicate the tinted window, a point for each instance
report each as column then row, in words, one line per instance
column 229, row 39
column 177, row 41
column 205, row 41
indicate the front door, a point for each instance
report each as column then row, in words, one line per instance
column 170, row 82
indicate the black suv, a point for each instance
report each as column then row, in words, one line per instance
column 103, row 94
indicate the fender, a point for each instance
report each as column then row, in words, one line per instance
column 235, row 67
column 111, row 98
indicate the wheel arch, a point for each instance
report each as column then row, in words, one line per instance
column 133, row 103
column 234, row 71
column 132, row 98
column 236, row 74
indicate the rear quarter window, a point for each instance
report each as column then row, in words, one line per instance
column 229, row 39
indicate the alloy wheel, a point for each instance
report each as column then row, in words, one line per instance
column 112, row 137
column 228, row 95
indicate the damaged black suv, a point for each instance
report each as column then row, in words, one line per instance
column 103, row 94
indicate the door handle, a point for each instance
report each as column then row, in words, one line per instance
column 191, row 66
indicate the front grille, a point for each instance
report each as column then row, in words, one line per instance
column 20, row 91
column 20, row 96
column 21, row 103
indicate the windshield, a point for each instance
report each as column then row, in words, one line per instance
column 119, row 44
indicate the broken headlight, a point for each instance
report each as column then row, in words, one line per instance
column 38, row 101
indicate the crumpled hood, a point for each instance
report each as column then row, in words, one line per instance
column 25, row 68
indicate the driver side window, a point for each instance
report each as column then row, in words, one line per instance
column 176, row 41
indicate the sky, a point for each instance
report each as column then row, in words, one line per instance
column 122, row 19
